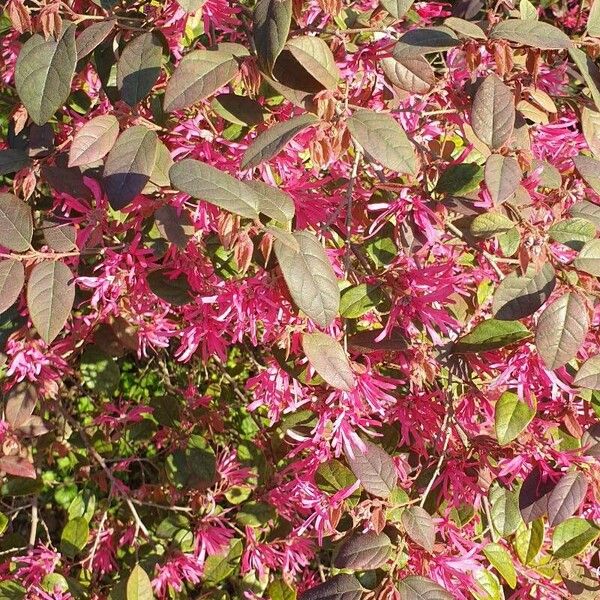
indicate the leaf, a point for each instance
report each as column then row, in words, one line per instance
column 573, row 233
column 92, row 36
column 504, row 510
column 531, row 33
column 460, row 179
column 139, row 586
column 338, row 587
column 590, row 125
column 280, row 590
column 129, row 165
column 74, row 536
column 44, row 72
column 175, row 291
column 590, row 440
column 363, row 551
column 269, row 143
column 314, row 55
column 12, row 279
column 159, row 177
column 329, row 360
column 420, row 41
column 255, row 514
column 50, row 297
column 511, row 417
column 502, row 177
column 593, row 21
column 533, row 495
column 501, row 560
column 527, row 10
column 416, row 587
column 465, row 28
column 419, row 526
column 18, row 466
column 99, row 372
column 528, row 540
column 309, row 277
column 333, row 476
column 572, row 537
column 94, row 140
column 588, row 260
column 509, row 242
column 397, row 8
column 272, row 20
column 520, row 296
column 589, row 71
column 221, row 566
column 561, row 330
column 204, row 182
column 489, row 224
column 566, row 497
column 493, row 112
column 138, row 67
column 589, row 169
column 586, row 210
column 61, row 237
column 240, row 110
column 492, row 334
column 273, row 202
column 199, row 75
column 382, row 137
column 16, row 223
column 358, row 300
column 20, row 404
column 588, row 375
column 13, row 160
column 191, row 6
column 411, row 74
column 175, row 226
column 375, row 469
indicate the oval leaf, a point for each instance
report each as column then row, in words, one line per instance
column 504, row 510
column 419, row 526
column 588, row 260
column 139, row 586
column 329, row 360
column 272, row 20
column 61, row 237
column 363, row 551
column 572, row 537
column 309, row 277
column 12, row 278
column 238, row 109
column 493, row 113
column 273, row 202
column 414, row 75
column 419, row 41
column 375, row 469
column 489, row 224
column 397, row 8
column 502, row 177
column 44, row 72
column 533, row 495
column 561, row 330
column 531, row 33
column 589, row 169
column 92, row 36
column 74, row 536
column 316, row 57
column 586, row 210
column 16, row 223
column 50, row 297
column 588, row 375
column 338, row 587
column 566, row 497
column 20, row 403
column 590, row 441
column 511, row 417
column 382, row 137
column 13, row 160
column 574, row 233
column 491, row 335
column 416, row 587
column 94, row 140
column 501, row 560
column 528, row 540
column 174, row 290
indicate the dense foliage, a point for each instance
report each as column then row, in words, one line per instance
column 298, row 298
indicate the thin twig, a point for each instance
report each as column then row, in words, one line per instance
column 34, row 522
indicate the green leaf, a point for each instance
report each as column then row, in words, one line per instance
column 511, row 417
column 174, row 290
column 375, row 469
column 11, row 590
column 493, row 112
column 269, row 143
column 489, row 584
column 528, row 540
column 458, row 180
column 416, row 587
column 205, row 182
column 489, row 224
column 13, row 160
column 531, row 33
column 589, row 169
column 280, row 590
column 240, row 110
column 397, row 8
column 588, row 375
column 255, row 514
column 218, row 567
column 329, row 360
column 574, row 233
column 360, row 299
column 44, row 72
column 502, row 177
column 593, row 21
column 566, row 497
column 16, row 223
column 314, row 55
column 504, row 510
column 586, row 210
column 200, row 74
column 12, row 279
column 381, row 137
column 420, row 41
column 272, row 20
column 491, row 335
column 92, row 36
column 333, row 476
column 501, row 560
column 338, row 587
column 273, row 202
column 588, row 260
column 561, row 330
column 138, row 67
column 509, row 241
column 74, row 536
column 94, row 140
column 99, row 372
column 363, row 551
column 589, row 71
column 465, row 28
column 419, row 526
column 411, row 74
column 590, row 125
column 572, row 537
column 527, row 10
column 159, row 177
column 129, row 165
column 50, row 297
column 191, row 6
column 309, row 277
column 139, row 586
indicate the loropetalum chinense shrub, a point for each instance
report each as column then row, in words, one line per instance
column 298, row 298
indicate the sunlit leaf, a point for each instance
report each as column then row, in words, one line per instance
column 273, row 202
column 501, row 560
column 329, row 360
column 74, row 536
column 502, row 177
column 493, row 112
column 536, row 34
column 20, row 403
column 92, row 36
column 566, row 497
column 572, row 537
column 411, row 74
column 588, row 259
column 586, row 210
column 272, row 20
column 363, row 551
column 511, row 417
column 94, row 140
column 375, row 469
column 397, row 8
column 16, row 223
column 492, row 334
column 12, row 279
column 420, row 41
column 528, row 540
column 489, row 224
column 465, row 28
column 139, row 586
column 573, row 233
column 314, row 55
column 589, row 71
column 460, row 179
column 358, row 300
column 419, row 526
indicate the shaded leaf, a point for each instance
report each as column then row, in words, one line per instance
column 99, row 372
column 416, row 587
column 363, row 551
column 358, row 300
column 574, row 233
column 511, row 417
column 531, row 33
column 382, row 137
column 502, row 177
column 329, row 360
column 240, row 110
column 269, row 143
column 566, row 497
column 272, row 20
column 333, row 476
column 419, row 526
column 220, row 566
column 44, row 72
column 159, row 177
column 94, row 140
column 590, row 440
column 572, row 537
column 16, row 223
column 129, row 165
column 20, row 404
column 205, row 182
column 492, row 334
column 74, row 536
column 309, row 277
column 92, row 36
column 175, row 226
column 280, row 590
column 315, row 56
column 533, row 495
column 588, row 260
column 397, row 8
column 501, row 560
column 61, row 237
column 520, row 296
column 528, row 540
column 420, row 41
column 12, row 279
column 411, row 74
column 139, row 586
column 13, row 160
column 561, row 330
column 50, row 297
column 338, row 587
column 273, row 202
column 375, row 469
column 17, row 466
column 460, row 179
column 504, row 510
column 493, row 112
column 174, row 290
